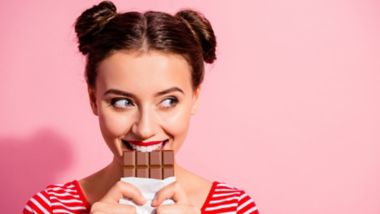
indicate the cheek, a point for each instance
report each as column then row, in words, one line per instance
column 177, row 123
column 113, row 124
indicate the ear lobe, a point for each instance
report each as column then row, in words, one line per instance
column 91, row 94
column 194, row 108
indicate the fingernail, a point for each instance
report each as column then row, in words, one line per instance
column 142, row 201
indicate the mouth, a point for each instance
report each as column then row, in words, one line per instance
column 145, row 146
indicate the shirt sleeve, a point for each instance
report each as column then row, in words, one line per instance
column 38, row 204
column 246, row 205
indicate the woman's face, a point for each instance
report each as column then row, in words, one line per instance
column 143, row 100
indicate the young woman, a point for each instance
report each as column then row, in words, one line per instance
column 143, row 72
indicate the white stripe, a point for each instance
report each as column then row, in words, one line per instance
column 251, row 210
column 245, row 204
column 225, row 189
column 221, row 206
column 66, row 200
column 225, row 185
column 64, row 194
column 71, row 186
column 44, row 199
column 62, row 185
column 243, row 196
column 60, row 188
column 62, row 211
column 225, row 194
column 222, row 200
column 39, row 205
column 28, row 208
column 68, row 207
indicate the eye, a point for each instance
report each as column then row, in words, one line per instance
column 169, row 102
column 121, row 102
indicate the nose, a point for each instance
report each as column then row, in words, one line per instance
column 144, row 127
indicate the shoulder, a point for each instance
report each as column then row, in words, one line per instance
column 225, row 198
column 57, row 197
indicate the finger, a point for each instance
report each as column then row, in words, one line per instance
column 172, row 191
column 101, row 207
column 124, row 190
column 165, row 209
column 168, row 209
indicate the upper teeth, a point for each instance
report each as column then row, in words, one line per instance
column 146, row 148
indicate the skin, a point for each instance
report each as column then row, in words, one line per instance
column 159, row 106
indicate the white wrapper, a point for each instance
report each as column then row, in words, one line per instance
column 148, row 187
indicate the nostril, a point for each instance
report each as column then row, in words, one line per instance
column 143, row 130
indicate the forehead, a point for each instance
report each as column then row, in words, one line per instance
column 143, row 72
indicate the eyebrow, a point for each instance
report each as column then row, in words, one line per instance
column 128, row 94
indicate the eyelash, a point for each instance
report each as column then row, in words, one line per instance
column 114, row 100
column 174, row 101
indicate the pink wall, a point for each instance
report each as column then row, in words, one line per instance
column 289, row 112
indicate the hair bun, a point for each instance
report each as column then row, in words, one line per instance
column 202, row 30
column 91, row 22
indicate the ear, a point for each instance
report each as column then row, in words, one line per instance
column 92, row 96
column 194, row 108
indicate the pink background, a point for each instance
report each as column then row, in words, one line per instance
column 289, row 112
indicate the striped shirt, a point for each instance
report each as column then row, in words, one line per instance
column 223, row 198
column 69, row 198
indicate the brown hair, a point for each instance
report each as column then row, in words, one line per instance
column 101, row 31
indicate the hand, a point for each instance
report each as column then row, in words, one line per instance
column 110, row 202
column 173, row 191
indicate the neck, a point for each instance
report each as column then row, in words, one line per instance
column 97, row 185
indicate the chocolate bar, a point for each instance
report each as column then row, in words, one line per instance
column 156, row 164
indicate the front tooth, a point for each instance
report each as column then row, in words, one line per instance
column 146, row 148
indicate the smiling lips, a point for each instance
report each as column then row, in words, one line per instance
column 145, row 146
column 140, row 143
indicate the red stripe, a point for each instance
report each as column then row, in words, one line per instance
column 68, row 208
column 34, row 207
column 209, row 196
column 223, row 197
column 243, row 200
column 244, row 210
column 233, row 192
column 221, row 210
column 25, row 211
column 232, row 201
column 81, row 195
column 42, row 202
column 227, row 193
column 76, row 194
column 55, row 197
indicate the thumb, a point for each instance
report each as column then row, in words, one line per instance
column 124, row 190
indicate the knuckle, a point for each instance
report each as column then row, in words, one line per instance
column 120, row 185
column 96, row 208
